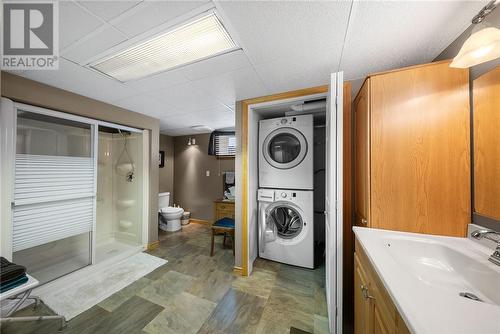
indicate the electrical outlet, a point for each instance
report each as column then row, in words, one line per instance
column 207, row 173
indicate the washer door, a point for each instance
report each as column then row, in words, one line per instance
column 286, row 218
column 285, row 148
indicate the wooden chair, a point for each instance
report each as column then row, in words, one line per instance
column 223, row 226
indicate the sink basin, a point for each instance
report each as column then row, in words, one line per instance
column 453, row 269
column 438, row 284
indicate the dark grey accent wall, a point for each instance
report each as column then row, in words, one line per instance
column 166, row 174
column 193, row 190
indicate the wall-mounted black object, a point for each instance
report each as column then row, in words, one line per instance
column 161, row 160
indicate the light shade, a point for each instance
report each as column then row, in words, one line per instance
column 193, row 41
column 482, row 46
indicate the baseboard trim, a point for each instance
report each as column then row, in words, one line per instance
column 200, row 221
column 153, row 245
column 238, row 271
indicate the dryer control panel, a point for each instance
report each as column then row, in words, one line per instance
column 289, row 122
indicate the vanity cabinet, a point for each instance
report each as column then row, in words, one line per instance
column 412, row 150
column 374, row 311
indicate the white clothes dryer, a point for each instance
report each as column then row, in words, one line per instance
column 286, row 153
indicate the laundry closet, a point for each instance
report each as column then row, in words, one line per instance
column 291, row 182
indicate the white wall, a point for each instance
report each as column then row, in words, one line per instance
column 253, row 186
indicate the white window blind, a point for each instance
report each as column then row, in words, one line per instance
column 53, row 197
column 225, row 145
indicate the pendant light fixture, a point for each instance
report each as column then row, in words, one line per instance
column 483, row 44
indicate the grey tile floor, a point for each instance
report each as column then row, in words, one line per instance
column 196, row 293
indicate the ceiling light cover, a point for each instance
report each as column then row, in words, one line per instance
column 188, row 43
column 482, row 46
column 202, row 128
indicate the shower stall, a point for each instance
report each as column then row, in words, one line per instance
column 79, row 190
column 119, row 192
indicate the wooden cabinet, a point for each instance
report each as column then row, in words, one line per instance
column 374, row 310
column 486, row 95
column 412, row 150
column 223, row 209
column 362, row 156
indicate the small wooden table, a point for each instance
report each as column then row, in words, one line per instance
column 223, row 209
column 223, row 226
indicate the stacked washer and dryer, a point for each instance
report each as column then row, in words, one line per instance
column 285, row 195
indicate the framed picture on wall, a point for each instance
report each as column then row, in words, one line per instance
column 161, row 160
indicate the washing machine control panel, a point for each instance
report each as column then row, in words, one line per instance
column 289, row 195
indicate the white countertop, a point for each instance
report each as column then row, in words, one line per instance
column 423, row 275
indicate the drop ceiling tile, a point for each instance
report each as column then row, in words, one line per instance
column 271, row 30
column 108, row 10
column 149, row 14
column 96, row 43
column 74, row 23
column 159, row 81
column 186, row 98
column 296, row 73
column 233, row 86
column 217, row 65
column 391, row 34
column 80, row 80
column 216, row 118
column 144, row 104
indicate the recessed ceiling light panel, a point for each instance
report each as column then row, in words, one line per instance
column 195, row 40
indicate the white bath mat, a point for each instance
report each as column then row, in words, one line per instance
column 80, row 295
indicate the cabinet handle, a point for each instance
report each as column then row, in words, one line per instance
column 366, row 293
column 364, row 221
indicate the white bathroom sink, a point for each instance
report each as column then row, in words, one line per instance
column 425, row 276
column 440, row 265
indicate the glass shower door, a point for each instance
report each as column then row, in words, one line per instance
column 54, row 194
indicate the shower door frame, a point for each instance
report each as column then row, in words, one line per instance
column 94, row 146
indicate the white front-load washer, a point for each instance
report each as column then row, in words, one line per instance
column 286, row 152
column 286, row 228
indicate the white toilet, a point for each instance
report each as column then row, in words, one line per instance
column 170, row 219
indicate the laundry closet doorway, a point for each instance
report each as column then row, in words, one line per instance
column 247, row 213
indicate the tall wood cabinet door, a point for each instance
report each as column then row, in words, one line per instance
column 361, row 304
column 362, row 156
column 420, row 150
column 486, row 94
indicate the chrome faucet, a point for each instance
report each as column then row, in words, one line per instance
column 487, row 234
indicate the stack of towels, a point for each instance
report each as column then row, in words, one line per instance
column 11, row 275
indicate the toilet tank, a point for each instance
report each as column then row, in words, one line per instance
column 163, row 200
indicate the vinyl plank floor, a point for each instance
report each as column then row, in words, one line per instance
column 184, row 314
column 163, row 290
column 260, row 283
column 130, row 317
column 114, row 301
column 237, row 312
column 213, row 286
column 195, row 292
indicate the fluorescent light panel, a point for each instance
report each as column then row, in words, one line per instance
column 188, row 43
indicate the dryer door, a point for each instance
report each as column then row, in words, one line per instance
column 285, row 148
